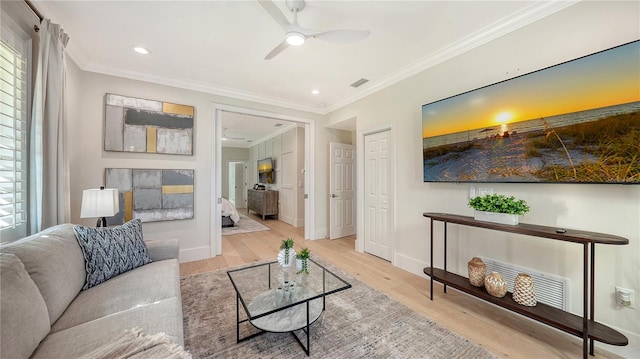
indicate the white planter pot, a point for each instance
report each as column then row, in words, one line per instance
column 502, row 218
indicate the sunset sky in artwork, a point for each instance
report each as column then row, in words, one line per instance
column 608, row 78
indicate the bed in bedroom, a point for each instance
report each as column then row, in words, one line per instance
column 230, row 215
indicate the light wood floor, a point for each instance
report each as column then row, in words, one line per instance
column 501, row 332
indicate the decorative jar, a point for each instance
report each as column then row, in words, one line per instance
column 495, row 284
column 524, row 292
column 477, row 270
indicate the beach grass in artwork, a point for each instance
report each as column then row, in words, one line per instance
column 148, row 126
column 578, row 122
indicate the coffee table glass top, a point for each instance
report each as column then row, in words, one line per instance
column 262, row 289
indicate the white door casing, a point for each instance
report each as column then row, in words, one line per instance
column 215, row 239
column 342, row 206
column 377, row 190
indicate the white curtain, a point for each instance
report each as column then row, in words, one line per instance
column 48, row 168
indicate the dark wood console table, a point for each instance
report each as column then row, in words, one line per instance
column 585, row 326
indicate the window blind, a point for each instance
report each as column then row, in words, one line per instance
column 15, row 54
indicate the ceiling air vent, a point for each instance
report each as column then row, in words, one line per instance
column 359, row 83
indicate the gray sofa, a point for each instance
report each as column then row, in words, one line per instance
column 45, row 314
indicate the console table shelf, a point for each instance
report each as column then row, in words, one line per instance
column 549, row 315
column 585, row 326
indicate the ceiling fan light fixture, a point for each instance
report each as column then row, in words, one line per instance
column 141, row 50
column 295, row 38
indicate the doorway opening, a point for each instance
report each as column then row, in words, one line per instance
column 305, row 183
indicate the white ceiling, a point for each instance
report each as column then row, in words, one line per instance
column 243, row 130
column 219, row 46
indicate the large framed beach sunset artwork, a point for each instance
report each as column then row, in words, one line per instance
column 576, row 122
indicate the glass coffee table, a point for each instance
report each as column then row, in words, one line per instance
column 279, row 300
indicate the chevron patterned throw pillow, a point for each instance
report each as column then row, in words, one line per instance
column 111, row 251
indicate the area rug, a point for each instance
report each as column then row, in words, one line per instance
column 359, row 322
column 244, row 225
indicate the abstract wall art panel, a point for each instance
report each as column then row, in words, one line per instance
column 576, row 122
column 147, row 126
column 151, row 195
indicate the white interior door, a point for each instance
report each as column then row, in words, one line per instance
column 231, row 183
column 240, row 184
column 378, row 198
column 342, row 190
column 287, row 182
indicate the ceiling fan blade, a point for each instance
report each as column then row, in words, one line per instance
column 283, row 45
column 342, row 36
column 275, row 13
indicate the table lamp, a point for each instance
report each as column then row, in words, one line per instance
column 100, row 203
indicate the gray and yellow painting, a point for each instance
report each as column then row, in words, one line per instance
column 148, row 126
column 151, row 194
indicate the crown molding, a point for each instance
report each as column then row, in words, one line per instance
column 201, row 87
column 526, row 16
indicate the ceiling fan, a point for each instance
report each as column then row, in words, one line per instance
column 296, row 35
column 227, row 138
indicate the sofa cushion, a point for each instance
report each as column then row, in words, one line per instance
column 111, row 251
column 25, row 318
column 54, row 261
column 161, row 249
column 141, row 286
column 164, row 316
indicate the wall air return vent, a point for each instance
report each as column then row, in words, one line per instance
column 550, row 289
column 359, row 83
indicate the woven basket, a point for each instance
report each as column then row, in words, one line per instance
column 477, row 270
column 524, row 292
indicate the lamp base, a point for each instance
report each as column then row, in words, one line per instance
column 102, row 222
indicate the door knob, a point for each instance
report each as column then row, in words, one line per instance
column 333, row 195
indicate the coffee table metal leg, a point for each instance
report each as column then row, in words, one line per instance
column 308, row 341
column 237, row 318
column 238, row 322
column 307, row 331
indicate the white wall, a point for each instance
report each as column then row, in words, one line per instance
column 579, row 30
column 291, row 196
column 88, row 160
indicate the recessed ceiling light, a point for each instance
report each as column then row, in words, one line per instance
column 141, row 50
column 315, row 91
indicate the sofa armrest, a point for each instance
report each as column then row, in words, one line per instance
column 161, row 249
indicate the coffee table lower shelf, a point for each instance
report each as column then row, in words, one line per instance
column 546, row 314
column 289, row 319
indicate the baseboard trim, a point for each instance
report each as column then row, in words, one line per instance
column 320, row 233
column 410, row 264
column 194, row 254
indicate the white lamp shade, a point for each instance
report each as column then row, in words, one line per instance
column 99, row 203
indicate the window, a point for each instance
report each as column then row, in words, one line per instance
column 15, row 70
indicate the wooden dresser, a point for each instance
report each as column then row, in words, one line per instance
column 263, row 202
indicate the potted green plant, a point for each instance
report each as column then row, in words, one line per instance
column 287, row 253
column 302, row 261
column 498, row 208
